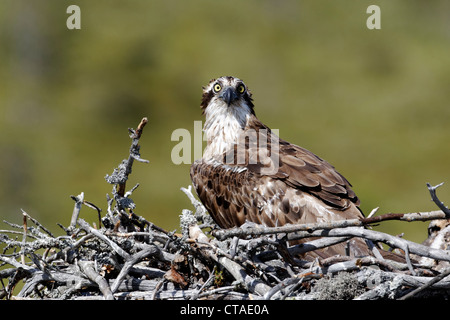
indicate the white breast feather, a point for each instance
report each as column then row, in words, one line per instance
column 223, row 126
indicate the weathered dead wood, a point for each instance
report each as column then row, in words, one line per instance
column 87, row 267
column 223, row 234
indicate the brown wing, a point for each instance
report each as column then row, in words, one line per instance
column 296, row 167
column 299, row 188
column 233, row 196
column 302, row 189
column 305, row 171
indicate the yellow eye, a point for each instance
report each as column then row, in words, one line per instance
column 241, row 89
column 217, row 87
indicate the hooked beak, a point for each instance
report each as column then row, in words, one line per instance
column 228, row 95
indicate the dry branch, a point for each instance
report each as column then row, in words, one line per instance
column 87, row 267
column 223, row 234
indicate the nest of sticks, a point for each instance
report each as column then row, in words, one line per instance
column 126, row 257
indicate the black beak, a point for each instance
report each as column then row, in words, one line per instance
column 229, row 95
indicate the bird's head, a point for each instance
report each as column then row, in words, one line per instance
column 227, row 93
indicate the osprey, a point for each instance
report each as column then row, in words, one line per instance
column 247, row 173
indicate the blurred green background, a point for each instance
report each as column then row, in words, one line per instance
column 374, row 103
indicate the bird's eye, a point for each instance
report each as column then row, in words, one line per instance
column 217, row 87
column 241, row 89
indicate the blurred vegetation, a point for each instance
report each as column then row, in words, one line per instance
column 374, row 103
